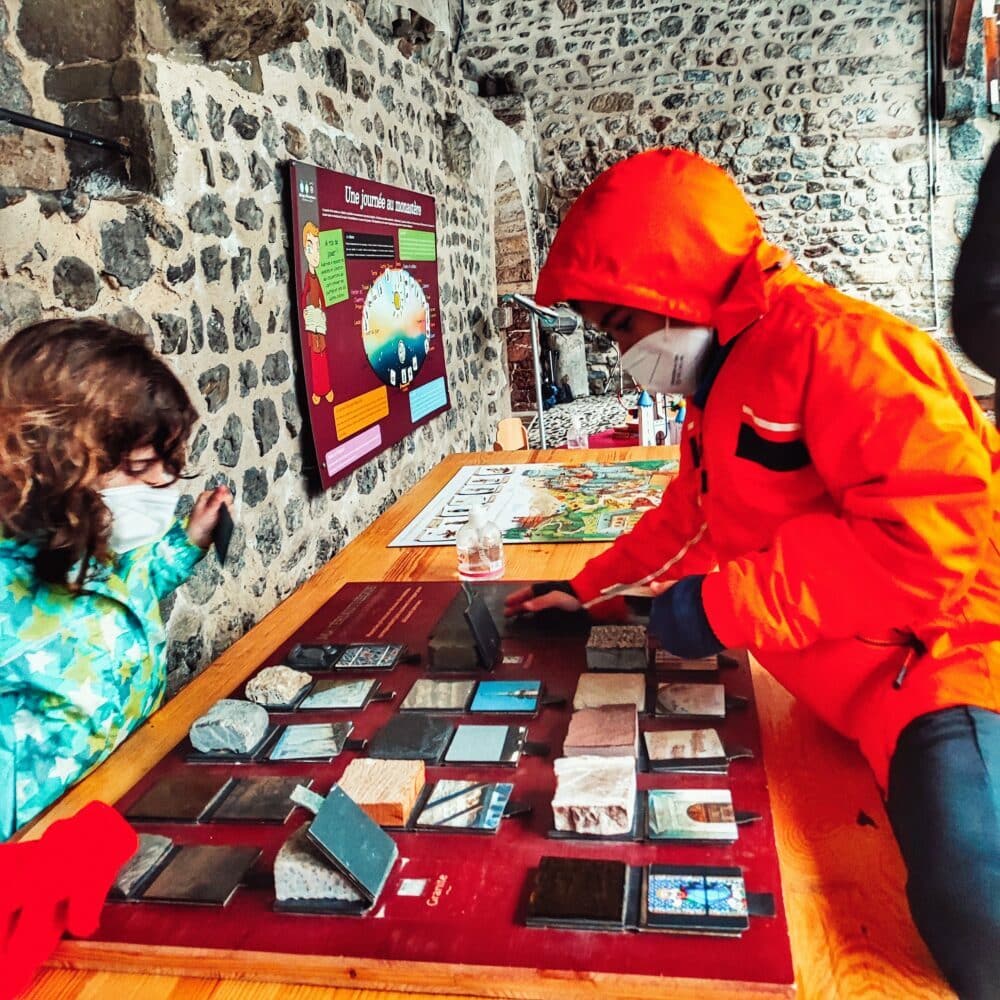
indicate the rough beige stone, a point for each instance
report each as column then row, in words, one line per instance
column 595, row 690
column 277, row 685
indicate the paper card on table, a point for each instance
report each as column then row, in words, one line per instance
column 357, row 846
column 692, row 700
column 257, row 800
column 340, row 693
column 444, row 696
column 466, row 805
column 374, row 655
column 202, row 873
column 691, row 814
column 685, row 745
column 412, row 736
column 706, row 900
column 315, row 741
column 507, row 696
column 178, row 798
column 486, row 745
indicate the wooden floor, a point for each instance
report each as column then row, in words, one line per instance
column 851, row 933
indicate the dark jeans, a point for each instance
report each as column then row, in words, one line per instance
column 944, row 805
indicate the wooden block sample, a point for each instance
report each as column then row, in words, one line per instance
column 387, row 790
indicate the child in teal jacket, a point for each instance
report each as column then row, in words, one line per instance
column 93, row 432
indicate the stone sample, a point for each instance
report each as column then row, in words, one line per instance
column 610, row 731
column 617, row 647
column 277, row 685
column 301, row 872
column 596, row 690
column 595, row 795
column 151, row 851
column 387, row 790
column 229, row 725
column 445, row 696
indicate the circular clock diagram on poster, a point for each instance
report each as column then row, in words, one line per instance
column 395, row 327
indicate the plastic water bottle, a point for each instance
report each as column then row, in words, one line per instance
column 647, row 420
column 479, row 546
column 576, row 437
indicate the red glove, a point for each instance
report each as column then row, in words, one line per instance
column 55, row 884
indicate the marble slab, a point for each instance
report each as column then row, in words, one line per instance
column 595, row 795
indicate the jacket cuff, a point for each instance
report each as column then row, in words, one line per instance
column 717, row 604
column 679, row 623
column 588, row 589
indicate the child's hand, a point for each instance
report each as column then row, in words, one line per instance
column 205, row 515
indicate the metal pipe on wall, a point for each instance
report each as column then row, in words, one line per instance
column 536, row 357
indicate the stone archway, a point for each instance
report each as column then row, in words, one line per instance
column 515, row 273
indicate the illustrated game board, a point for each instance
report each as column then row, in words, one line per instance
column 454, row 911
column 545, row 502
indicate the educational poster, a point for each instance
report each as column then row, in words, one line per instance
column 544, row 503
column 366, row 287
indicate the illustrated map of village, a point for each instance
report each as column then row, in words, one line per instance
column 545, row 502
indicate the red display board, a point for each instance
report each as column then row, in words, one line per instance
column 369, row 319
column 469, row 910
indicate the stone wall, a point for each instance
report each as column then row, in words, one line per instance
column 197, row 255
column 817, row 108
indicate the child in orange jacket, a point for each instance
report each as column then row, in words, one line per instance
column 835, row 512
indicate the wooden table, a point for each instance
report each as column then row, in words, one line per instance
column 842, row 875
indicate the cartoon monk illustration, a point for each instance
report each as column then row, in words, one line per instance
column 313, row 306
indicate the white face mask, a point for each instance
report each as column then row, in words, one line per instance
column 139, row 514
column 669, row 360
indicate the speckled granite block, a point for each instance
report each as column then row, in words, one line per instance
column 617, row 647
column 301, row 872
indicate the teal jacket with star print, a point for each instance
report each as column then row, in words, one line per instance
column 78, row 672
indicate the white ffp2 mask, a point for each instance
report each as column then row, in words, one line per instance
column 139, row 514
column 669, row 360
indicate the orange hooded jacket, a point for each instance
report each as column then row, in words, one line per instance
column 840, row 487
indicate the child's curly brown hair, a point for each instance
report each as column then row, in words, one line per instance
column 76, row 397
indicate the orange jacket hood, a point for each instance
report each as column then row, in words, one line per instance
column 668, row 232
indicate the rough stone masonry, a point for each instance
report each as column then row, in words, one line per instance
column 193, row 250
column 817, row 108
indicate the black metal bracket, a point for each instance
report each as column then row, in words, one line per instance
column 63, row 132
